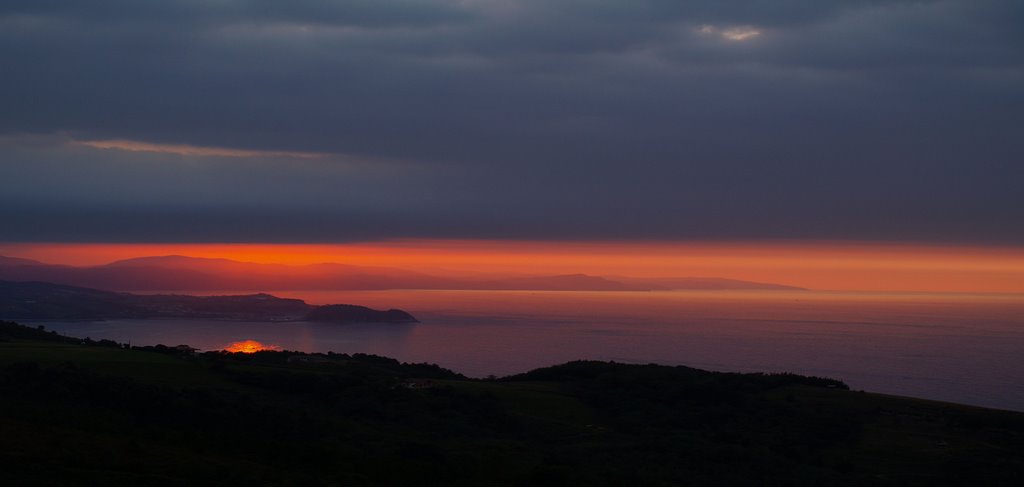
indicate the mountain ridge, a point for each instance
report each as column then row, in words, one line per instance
column 184, row 273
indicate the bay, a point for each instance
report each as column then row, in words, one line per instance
column 952, row 347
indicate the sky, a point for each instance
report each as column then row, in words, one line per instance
column 352, row 121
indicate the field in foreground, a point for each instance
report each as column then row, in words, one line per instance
column 97, row 413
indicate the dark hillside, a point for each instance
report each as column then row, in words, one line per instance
column 97, row 413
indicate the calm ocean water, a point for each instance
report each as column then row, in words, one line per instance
column 960, row 348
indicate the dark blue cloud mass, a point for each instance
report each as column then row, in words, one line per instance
column 317, row 120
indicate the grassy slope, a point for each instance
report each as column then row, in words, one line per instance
column 72, row 413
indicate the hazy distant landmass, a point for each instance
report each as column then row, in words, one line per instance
column 180, row 273
column 696, row 283
column 47, row 301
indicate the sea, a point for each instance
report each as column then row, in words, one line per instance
column 963, row 348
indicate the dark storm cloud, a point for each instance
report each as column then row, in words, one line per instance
column 190, row 13
column 524, row 119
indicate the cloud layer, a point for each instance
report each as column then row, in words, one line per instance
column 882, row 120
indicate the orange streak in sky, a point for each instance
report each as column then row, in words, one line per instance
column 190, row 150
column 816, row 265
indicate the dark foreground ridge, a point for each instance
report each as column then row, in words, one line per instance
column 97, row 413
column 46, row 301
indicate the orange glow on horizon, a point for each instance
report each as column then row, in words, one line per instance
column 250, row 346
column 845, row 266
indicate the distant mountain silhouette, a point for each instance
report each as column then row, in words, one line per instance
column 14, row 261
column 182, row 273
column 47, row 301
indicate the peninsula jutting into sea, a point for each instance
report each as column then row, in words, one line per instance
column 45, row 301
